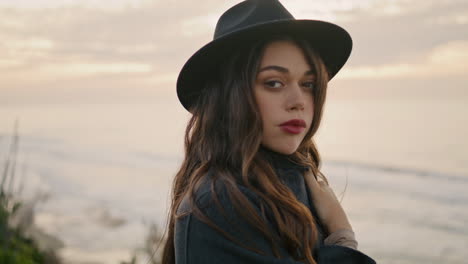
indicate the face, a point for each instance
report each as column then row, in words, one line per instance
column 284, row 92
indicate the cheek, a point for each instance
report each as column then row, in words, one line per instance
column 310, row 106
column 264, row 106
column 267, row 120
column 267, row 111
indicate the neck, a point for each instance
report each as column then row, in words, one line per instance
column 279, row 160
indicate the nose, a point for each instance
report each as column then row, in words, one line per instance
column 296, row 98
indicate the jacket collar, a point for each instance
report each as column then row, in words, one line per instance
column 281, row 161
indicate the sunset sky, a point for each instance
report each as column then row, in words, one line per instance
column 127, row 50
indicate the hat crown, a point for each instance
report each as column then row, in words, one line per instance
column 252, row 20
column 249, row 13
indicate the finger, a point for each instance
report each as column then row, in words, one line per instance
column 312, row 181
column 329, row 190
column 322, row 184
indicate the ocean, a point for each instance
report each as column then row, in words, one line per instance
column 399, row 166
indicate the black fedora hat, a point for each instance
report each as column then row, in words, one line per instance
column 251, row 20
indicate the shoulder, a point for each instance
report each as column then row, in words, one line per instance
column 211, row 191
column 223, row 234
column 218, row 212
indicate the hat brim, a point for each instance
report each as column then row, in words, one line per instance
column 330, row 41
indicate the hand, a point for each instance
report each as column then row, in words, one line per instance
column 328, row 207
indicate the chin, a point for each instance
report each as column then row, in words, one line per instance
column 289, row 151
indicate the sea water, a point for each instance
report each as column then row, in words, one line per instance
column 400, row 168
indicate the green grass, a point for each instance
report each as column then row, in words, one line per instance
column 15, row 247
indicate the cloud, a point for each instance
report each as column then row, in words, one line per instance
column 77, row 69
column 404, row 33
column 9, row 63
column 198, row 25
column 456, row 18
column 324, row 9
column 143, row 44
column 165, row 34
column 447, row 60
column 65, row 40
column 101, row 4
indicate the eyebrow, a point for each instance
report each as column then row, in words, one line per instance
column 281, row 69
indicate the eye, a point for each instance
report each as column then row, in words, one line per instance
column 274, row 84
column 310, row 85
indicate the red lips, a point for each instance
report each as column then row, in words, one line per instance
column 294, row 122
column 293, row 126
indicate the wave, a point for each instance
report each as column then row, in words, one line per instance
column 400, row 170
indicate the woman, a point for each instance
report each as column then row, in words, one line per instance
column 249, row 189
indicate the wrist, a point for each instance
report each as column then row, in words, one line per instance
column 343, row 225
column 342, row 237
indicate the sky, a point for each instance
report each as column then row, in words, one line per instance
column 92, row 51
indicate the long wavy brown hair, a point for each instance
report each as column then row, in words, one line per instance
column 224, row 134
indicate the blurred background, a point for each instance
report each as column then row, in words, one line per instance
column 91, row 84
